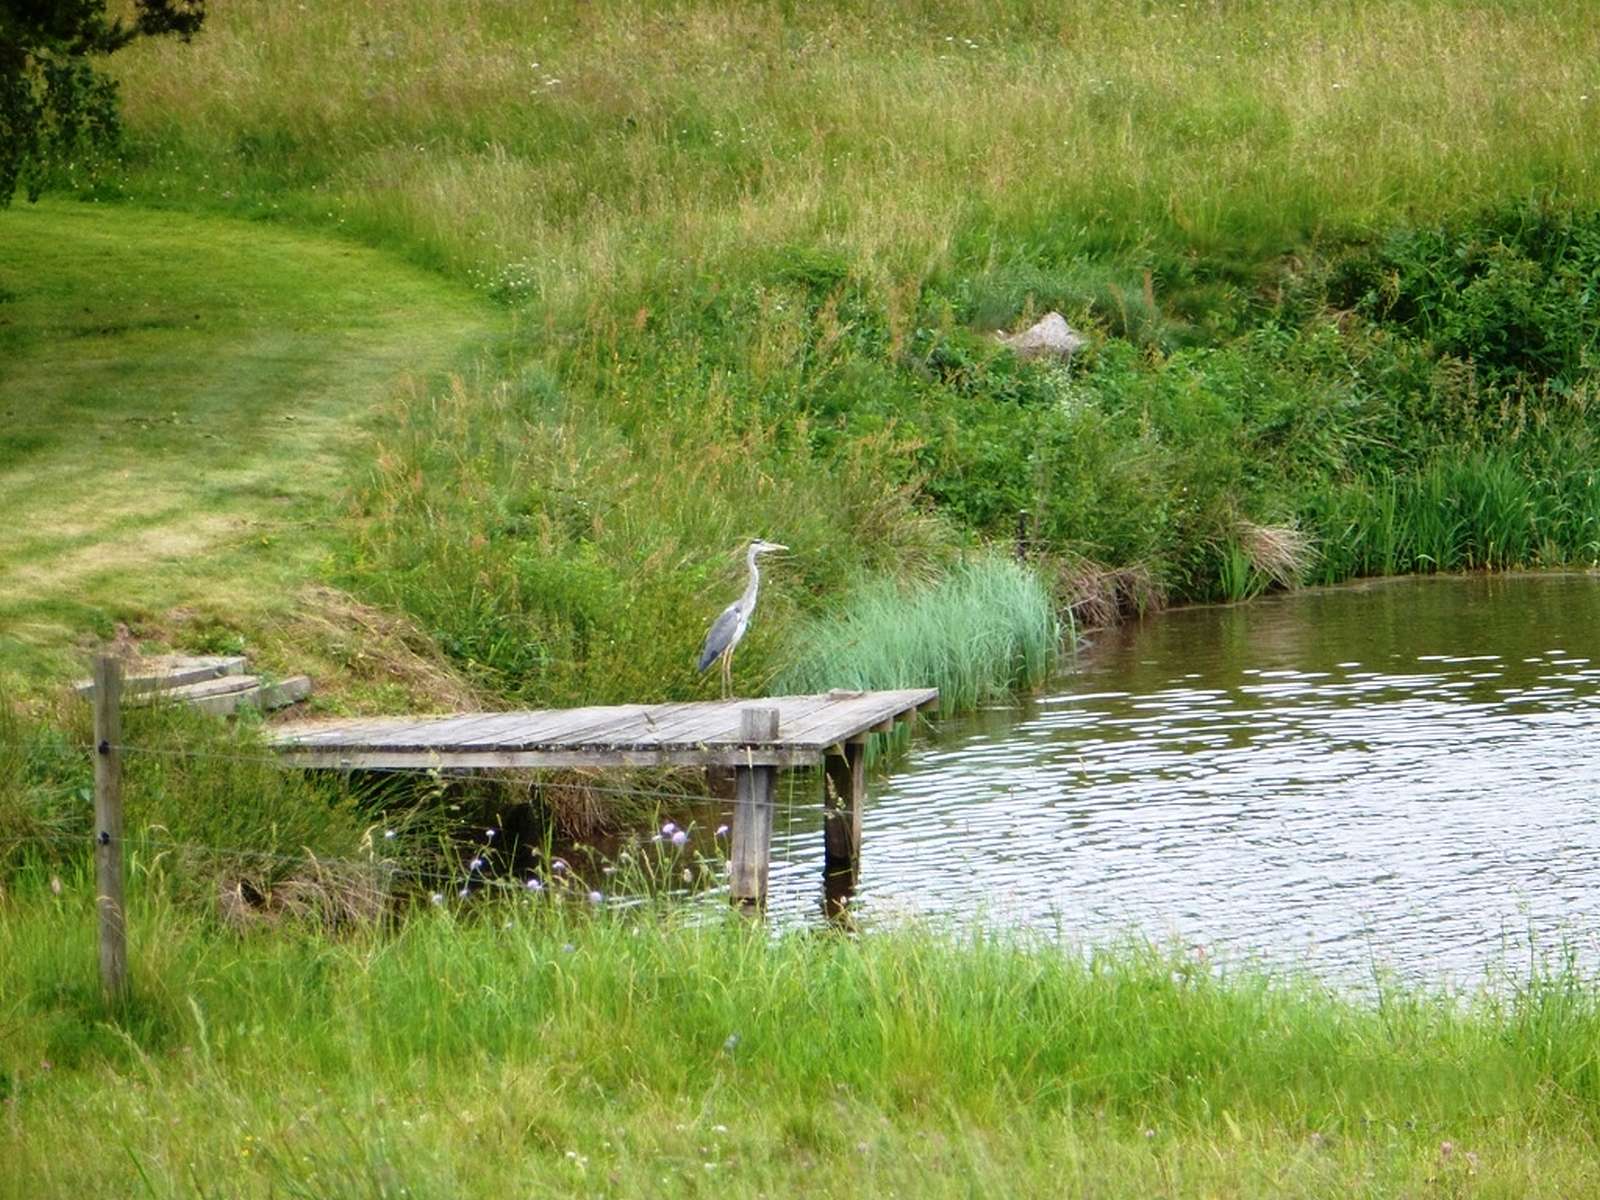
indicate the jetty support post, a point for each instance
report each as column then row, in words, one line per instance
column 844, row 785
column 752, row 813
column 109, row 901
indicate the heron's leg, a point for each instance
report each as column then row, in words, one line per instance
column 727, row 673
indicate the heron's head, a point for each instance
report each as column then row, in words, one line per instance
column 761, row 546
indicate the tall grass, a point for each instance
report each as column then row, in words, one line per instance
column 207, row 806
column 986, row 629
column 564, row 560
column 1473, row 512
column 544, row 1047
column 600, row 147
column 756, row 254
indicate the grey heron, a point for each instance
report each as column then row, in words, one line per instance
column 728, row 629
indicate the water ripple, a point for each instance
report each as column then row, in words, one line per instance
column 1400, row 776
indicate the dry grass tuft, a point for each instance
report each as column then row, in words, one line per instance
column 1098, row 596
column 327, row 894
column 1281, row 553
column 369, row 645
column 582, row 805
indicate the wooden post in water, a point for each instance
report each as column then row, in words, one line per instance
column 108, row 828
column 752, row 813
column 844, row 784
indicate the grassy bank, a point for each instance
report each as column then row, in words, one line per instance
column 534, row 1047
column 1334, row 264
column 182, row 397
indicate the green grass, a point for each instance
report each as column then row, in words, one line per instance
column 988, row 629
column 756, row 254
column 1335, row 263
column 597, row 150
column 180, row 398
column 754, row 257
column 538, row 1047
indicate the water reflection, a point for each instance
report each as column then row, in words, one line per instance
column 1403, row 774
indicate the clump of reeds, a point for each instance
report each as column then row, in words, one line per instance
column 988, row 628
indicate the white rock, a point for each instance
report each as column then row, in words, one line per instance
column 1052, row 335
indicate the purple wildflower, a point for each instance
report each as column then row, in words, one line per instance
column 681, row 838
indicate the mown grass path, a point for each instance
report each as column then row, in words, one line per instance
column 178, row 397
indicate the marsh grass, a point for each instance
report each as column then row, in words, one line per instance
column 986, row 630
column 551, row 1043
column 1478, row 511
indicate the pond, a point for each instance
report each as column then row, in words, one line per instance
column 1397, row 777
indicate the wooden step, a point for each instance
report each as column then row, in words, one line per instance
column 164, row 671
column 228, row 694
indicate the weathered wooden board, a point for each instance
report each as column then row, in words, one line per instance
column 697, row 733
column 170, row 671
column 220, row 703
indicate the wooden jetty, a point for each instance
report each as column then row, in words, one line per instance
column 755, row 738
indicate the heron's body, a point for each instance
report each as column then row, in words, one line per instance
column 728, row 629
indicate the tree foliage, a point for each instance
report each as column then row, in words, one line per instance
column 54, row 103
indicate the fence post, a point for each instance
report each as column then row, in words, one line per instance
column 108, row 828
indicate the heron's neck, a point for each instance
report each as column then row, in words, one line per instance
column 754, row 585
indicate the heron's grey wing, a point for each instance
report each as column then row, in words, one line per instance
column 721, row 635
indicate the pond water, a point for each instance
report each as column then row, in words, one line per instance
column 1400, row 776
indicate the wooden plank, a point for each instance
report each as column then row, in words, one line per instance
column 688, row 723
column 264, row 696
column 750, row 849
column 285, row 692
column 168, row 671
column 717, row 723
column 192, row 693
column 844, row 718
column 397, row 733
column 594, row 727
column 492, row 730
column 109, row 908
column 557, row 758
column 662, row 724
column 335, row 730
column 701, row 733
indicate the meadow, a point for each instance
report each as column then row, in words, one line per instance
column 509, row 327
